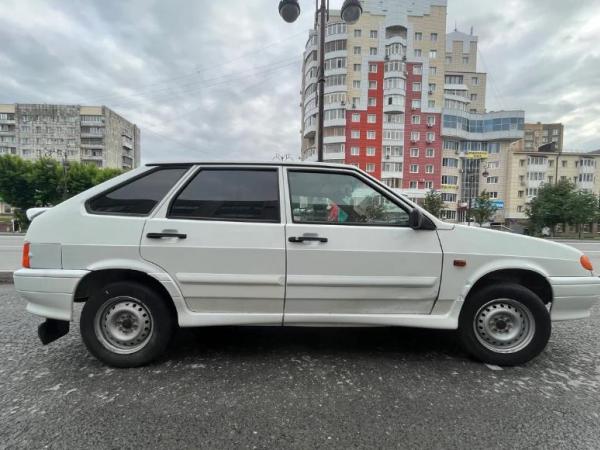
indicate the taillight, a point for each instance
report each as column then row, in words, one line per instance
column 586, row 263
column 25, row 260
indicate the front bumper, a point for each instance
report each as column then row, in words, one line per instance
column 49, row 292
column 574, row 297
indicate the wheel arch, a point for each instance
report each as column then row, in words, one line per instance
column 530, row 279
column 98, row 278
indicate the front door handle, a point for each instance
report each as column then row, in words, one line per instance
column 172, row 234
column 307, row 238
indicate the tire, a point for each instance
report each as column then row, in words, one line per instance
column 504, row 324
column 126, row 324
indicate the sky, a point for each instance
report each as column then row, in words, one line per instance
column 208, row 80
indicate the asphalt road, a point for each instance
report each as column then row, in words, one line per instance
column 297, row 388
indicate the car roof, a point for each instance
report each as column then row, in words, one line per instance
column 252, row 163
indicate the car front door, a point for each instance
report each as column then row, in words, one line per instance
column 221, row 238
column 351, row 253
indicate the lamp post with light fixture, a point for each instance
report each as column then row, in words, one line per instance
column 289, row 10
column 470, row 175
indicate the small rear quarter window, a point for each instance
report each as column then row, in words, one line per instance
column 138, row 196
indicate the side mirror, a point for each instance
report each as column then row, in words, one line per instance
column 415, row 219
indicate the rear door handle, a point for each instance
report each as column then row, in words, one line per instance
column 307, row 238
column 166, row 235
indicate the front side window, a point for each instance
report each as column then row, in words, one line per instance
column 139, row 196
column 340, row 199
column 229, row 195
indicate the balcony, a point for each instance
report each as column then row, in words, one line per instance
column 394, row 108
column 128, row 144
column 92, row 123
column 127, row 161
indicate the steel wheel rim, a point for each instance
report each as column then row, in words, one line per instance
column 123, row 325
column 504, row 326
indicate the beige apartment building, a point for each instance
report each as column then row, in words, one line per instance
column 538, row 134
column 88, row 134
column 528, row 170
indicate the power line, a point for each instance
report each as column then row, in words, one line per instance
column 201, row 70
column 201, row 84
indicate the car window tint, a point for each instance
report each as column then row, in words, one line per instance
column 218, row 194
column 140, row 195
column 340, row 199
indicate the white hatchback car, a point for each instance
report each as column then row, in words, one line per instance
column 204, row 244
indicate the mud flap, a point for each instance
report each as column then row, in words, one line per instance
column 52, row 329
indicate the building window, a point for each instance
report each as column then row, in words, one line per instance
column 373, row 51
column 357, row 33
column 414, row 168
column 356, row 84
column 475, row 80
column 564, row 163
column 355, row 117
column 520, row 194
column 415, row 120
column 371, row 118
column 430, row 153
column 430, row 120
column 432, row 71
column 429, row 185
column 355, row 151
column 418, row 36
column 448, row 59
column 430, row 136
column 415, row 136
column 416, row 87
column 370, row 167
column 355, row 134
column 432, row 54
column 372, row 101
column 431, row 103
column 373, row 68
column 371, row 135
column 473, row 97
column 450, row 162
column 356, row 67
column 370, row 151
column 432, row 88
column 428, row 168
column 373, row 34
column 434, row 37
column 412, row 185
column 372, row 84
column 357, row 50
column 418, row 53
column 492, row 180
column 465, row 60
column 414, row 152
column 417, row 69
column 415, row 104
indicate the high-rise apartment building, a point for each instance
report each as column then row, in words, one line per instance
column 404, row 102
column 88, row 134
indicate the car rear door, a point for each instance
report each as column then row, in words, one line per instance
column 221, row 238
column 351, row 253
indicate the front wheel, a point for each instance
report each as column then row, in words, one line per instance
column 506, row 324
column 126, row 324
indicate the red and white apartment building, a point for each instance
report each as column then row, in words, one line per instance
column 405, row 103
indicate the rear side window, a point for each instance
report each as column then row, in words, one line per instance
column 138, row 196
column 229, row 194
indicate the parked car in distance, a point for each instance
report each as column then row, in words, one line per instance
column 204, row 244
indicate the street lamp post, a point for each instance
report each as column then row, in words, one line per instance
column 289, row 10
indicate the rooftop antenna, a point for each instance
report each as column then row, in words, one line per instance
column 455, row 27
column 471, row 30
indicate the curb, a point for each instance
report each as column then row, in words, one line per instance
column 6, row 277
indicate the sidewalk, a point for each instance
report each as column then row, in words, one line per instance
column 6, row 277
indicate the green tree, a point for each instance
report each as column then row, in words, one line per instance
column 433, row 202
column 551, row 206
column 484, row 208
column 583, row 208
column 45, row 182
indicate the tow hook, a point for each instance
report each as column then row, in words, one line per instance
column 52, row 329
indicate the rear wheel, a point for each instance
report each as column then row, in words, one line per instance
column 506, row 324
column 126, row 324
